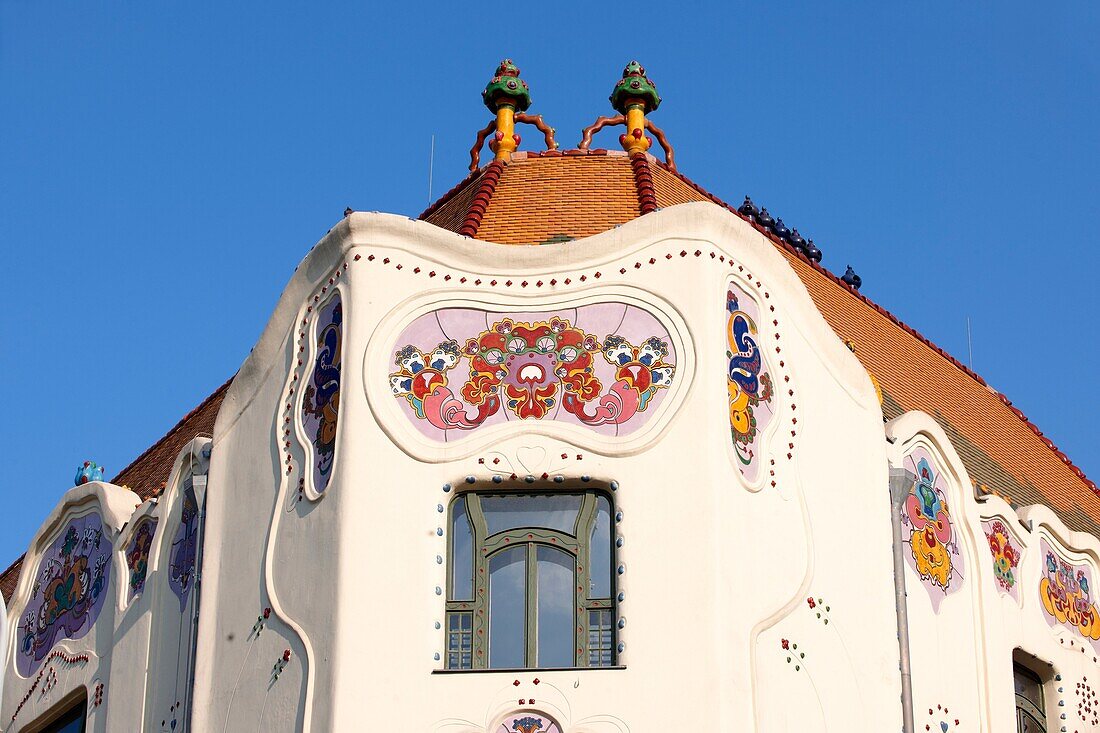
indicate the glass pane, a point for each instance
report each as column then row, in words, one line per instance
column 601, row 638
column 513, row 511
column 555, row 607
column 1028, row 685
column 1028, row 724
column 462, row 553
column 508, row 607
column 460, row 640
column 599, row 552
column 70, row 722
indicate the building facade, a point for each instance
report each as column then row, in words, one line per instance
column 661, row 473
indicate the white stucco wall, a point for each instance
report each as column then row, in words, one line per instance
column 351, row 577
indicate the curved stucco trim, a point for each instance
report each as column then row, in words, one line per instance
column 1041, row 517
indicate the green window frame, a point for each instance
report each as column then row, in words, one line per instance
column 529, row 543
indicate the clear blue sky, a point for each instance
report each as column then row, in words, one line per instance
column 164, row 167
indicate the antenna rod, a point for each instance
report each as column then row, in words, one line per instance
column 431, row 166
column 969, row 344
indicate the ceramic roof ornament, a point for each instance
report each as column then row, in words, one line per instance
column 507, row 96
column 633, row 97
column 507, row 89
column 87, row 473
column 635, row 89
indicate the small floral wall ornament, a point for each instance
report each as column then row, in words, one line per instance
column 934, row 549
column 526, row 722
column 1088, row 706
column 321, row 400
column 940, row 719
column 602, row 366
column 1066, row 594
column 137, row 556
column 933, row 543
column 68, row 592
column 747, row 380
column 1006, row 556
column 185, row 544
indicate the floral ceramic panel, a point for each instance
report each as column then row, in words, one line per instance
column 69, row 591
column 933, row 538
column 604, row 366
column 528, row 723
column 1066, row 594
column 137, row 555
column 748, row 381
column 1005, row 549
column 183, row 554
column 321, row 400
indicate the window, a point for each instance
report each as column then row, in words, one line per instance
column 529, row 581
column 1030, row 712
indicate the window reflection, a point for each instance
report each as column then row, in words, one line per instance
column 507, row 608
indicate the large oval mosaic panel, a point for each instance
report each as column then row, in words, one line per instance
column 603, row 366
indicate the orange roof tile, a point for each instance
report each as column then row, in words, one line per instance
column 577, row 196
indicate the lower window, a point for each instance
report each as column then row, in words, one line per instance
column 1030, row 711
column 529, row 582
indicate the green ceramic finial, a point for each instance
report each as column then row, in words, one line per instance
column 507, row 88
column 635, row 85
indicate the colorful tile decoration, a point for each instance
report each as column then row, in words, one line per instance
column 526, row 722
column 1005, row 549
column 604, row 366
column 321, row 400
column 68, row 592
column 184, row 552
column 137, row 555
column 748, row 381
column 1066, row 594
column 933, row 542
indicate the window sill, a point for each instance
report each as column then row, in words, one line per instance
column 527, row 670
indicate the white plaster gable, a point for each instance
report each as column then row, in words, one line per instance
column 115, row 505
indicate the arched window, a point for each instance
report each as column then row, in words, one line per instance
column 530, row 581
column 1030, row 710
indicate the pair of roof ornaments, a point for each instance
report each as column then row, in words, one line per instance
column 508, row 97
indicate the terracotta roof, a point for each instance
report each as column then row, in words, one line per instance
column 149, row 472
column 579, row 193
column 555, row 196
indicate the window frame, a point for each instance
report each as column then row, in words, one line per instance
column 485, row 546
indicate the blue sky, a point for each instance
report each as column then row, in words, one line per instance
column 164, row 167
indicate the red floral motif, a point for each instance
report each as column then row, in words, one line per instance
column 534, row 368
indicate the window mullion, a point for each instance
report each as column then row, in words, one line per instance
column 480, row 631
column 585, row 519
column 531, row 605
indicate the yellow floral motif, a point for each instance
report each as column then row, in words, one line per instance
column 932, row 557
column 1066, row 596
